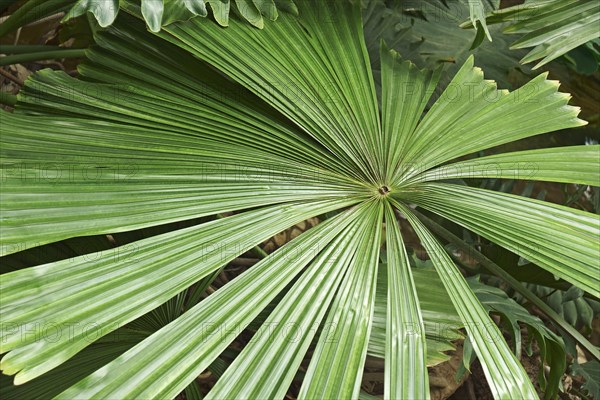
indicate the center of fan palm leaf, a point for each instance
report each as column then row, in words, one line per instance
column 384, row 190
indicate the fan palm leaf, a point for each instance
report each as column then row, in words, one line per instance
column 294, row 132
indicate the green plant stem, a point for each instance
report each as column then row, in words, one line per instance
column 260, row 253
column 38, row 56
column 515, row 284
column 30, row 11
column 26, row 48
column 8, row 99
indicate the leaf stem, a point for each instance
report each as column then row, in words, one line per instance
column 42, row 55
column 26, row 48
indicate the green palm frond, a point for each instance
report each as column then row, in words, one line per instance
column 276, row 357
column 496, row 358
column 571, row 255
column 405, row 347
column 552, row 165
column 441, row 323
column 551, row 27
column 271, row 127
column 210, row 325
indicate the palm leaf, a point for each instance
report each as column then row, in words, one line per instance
column 301, row 82
column 440, row 320
column 506, row 376
column 97, row 292
column 465, row 119
column 573, row 164
column 145, row 170
column 551, row 27
column 406, row 91
column 129, row 176
column 405, row 353
column 565, row 242
column 277, row 351
column 72, row 371
column 520, row 288
column 349, row 319
column 208, row 328
column 298, row 104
